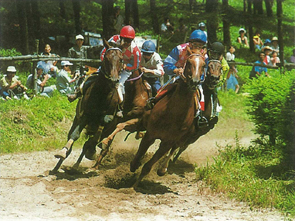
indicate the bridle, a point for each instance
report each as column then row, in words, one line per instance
column 212, row 79
column 103, row 71
column 184, row 78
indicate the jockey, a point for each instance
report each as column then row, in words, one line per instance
column 216, row 53
column 131, row 57
column 151, row 65
column 174, row 63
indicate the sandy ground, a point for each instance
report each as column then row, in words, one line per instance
column 27, row 192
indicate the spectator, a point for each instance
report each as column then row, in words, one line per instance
column 118, row 20
column 151, row 65
column 41, row 82
column 182, row 27
column 4, row 95
column 49, row 66
column 232, row 82
column 11, row 86
column 64, row 83
column 242, row 39
column 167, row 26
column 258, row 70
column 80, row 51
column 267, row 50
column 274, row 60
column 266, row 43
column 257, row 40
column 230, row 54
column 275, row 45
column 202, row 27
column 292, row 58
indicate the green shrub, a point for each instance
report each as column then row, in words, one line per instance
column 270, row 108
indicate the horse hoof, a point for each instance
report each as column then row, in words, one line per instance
column 91, row 155
column 161, row 172
column 134, row 166
column 61, row 154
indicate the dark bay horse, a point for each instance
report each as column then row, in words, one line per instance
column 211, row 81
column 136, row 96
column 97, row 107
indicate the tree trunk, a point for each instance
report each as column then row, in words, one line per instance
column 62, row 9
column 128, row 4
column 36, row 19
column 226, row 23
column 24, row 42
column 258, row 9
column 154, row 15
column 250, row 26
column 135, row 14
column 212, row 22
column 77, row 10
column 268, row 8
column 107, row 23
column 280, row 29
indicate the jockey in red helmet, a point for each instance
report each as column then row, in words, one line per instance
column 131, row 54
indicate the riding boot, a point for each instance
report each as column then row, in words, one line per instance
column 77, row 93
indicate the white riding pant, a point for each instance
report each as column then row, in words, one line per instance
column 121, row 88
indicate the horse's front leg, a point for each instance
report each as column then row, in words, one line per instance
column 163, row 169
column 145, row 143
column 163, row 149
column 73, row 135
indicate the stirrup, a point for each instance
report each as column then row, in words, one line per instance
column 202, row 122
column 150, row 103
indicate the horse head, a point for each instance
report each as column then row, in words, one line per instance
column 213, row 73
column 112, row 64
column 194, row 67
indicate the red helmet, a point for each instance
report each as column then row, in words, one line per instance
column 127, row 32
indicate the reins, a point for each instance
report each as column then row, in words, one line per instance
column 136, row 78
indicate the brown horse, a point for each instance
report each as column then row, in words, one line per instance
column 136, row 96
column 97, row 107
column 211, row 81
column 172, row 118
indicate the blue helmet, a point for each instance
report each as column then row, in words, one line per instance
column 198, row 35
column 148, row 47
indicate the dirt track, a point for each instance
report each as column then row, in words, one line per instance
column 29, row 193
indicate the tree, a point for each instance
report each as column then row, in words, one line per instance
column 107, row 12
column 280, row 29
column 77, row 10
column 226, row 23
column 23, row 34
column 249, row 25
column 268, row 6
column 154, row 15
column 212, row 22
column 131, row 7
column 258, row 9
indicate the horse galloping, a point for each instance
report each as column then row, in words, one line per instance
column 172, row 118
column 212, row 79
column 97, row 107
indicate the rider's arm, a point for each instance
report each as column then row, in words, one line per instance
column 170, row 61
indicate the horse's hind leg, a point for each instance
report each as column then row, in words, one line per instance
column 163, row 149
column 145, row 143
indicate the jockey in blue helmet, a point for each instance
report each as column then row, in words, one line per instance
column 151, row 65
column 174, row 63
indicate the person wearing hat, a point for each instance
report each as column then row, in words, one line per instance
column 81, row 51
column 64, row 84
column 257, row 40
column 242, row 39
column 267, row 50
column 267, row 42
column 42, row 79
column 202, row 27
column 12, row 86
column 275, row 45
column 151, row 65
